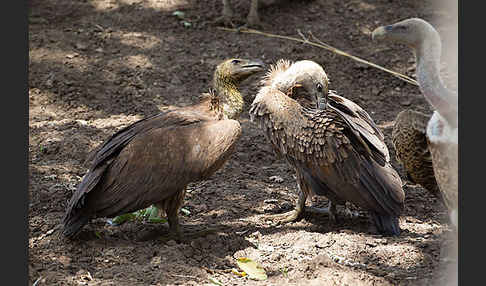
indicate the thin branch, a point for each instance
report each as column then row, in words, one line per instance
column 323, row 45
column 184, row 276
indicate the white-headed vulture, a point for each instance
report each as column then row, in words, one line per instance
column 442, row 128
column 334, row 146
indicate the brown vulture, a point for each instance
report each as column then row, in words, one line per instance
column 154, row 159
column 412, row 149
column 333, row 145
column 442, row 128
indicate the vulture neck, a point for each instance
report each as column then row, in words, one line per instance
column 443, row 100
column 229, row 97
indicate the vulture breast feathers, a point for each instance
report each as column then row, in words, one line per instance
column 337, row 147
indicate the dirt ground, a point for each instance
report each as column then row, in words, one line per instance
column 96, row 66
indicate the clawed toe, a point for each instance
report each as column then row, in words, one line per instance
column 287, row 217
column 327, row 211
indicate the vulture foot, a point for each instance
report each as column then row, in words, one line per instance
column 331, row 211
column 350, row 214
column 253, row 22
column 327, row 211
column 225, row 21
column 294, row 215
column 287, row 217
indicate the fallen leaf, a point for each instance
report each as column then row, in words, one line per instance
column 252, row 268
column 157, row 220
column 242, row 273
column 121, row 219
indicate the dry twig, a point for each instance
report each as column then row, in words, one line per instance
column 323, row 45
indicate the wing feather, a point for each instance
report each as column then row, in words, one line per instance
column 153, row 159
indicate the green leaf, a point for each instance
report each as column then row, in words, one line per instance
column 252, row 268
column 98, row 234
column 152, row 212
column 157, row 220
column 122, row 218
column 145, row 213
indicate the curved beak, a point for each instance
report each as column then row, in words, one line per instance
column 321, row 104
column 253, row 66
column 322, row 101
column 247, row 68
column 378, row 34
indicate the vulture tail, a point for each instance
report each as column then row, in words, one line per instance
column 386, row 224
column 74, row 223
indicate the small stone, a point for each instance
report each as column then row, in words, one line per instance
column 70, row 56
column 81, row 46
column 276, row 179
column 371, row 244
column 82, row 122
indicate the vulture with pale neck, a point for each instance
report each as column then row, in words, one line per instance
column 442, row 128
column 333, row 145
column 154, row 159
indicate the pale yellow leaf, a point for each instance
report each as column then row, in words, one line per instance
column 252, row 268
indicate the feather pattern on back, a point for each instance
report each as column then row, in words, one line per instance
column 412, row 149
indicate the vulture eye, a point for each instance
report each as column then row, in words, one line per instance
column 235, row 61
column 401, row 28
column 319, row 87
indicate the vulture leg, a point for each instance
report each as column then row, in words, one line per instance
column 332, row 213
column 253, row 20
column 172, row 207
column 227, row 15
column 296, row 214
column 330, row 210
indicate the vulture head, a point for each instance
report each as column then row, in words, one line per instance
column 227, row 78
column 237, row 70
column 305, row 81
column 411, row 32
